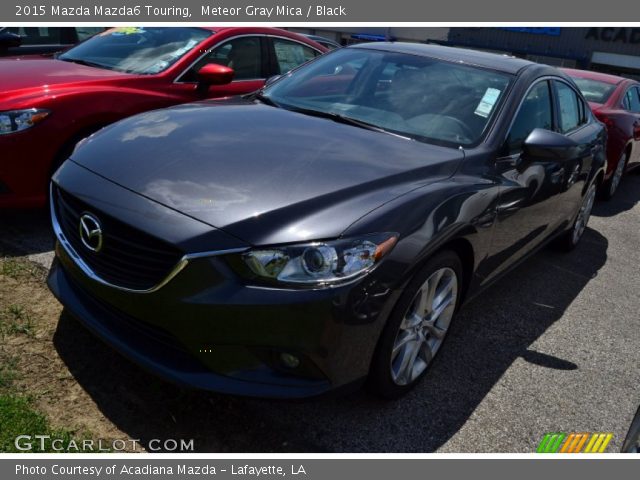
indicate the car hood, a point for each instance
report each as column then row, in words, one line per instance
column 32, row 76
column 264, row 174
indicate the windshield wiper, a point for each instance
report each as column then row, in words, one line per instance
column 82, row 62
column 338, row 117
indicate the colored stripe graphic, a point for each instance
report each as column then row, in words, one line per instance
column 571, row 441
column 581, row 443
column 559, row 442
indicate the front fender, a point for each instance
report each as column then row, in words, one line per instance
column 431, row 217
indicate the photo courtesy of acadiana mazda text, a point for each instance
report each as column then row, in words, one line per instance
column 321, row 233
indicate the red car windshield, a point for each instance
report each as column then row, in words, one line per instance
column 140, row 50
column 594, row 90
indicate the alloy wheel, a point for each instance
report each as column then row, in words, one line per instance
column 584, row 214
column 617, row 175
column 424, row 326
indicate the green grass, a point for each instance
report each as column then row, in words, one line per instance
column 15, row 320
column 7, row 372
column 20, row 269
column 17, row 417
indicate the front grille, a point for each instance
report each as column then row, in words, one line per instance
column 129, row 258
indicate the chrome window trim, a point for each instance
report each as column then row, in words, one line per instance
column 548, row 78
column 221, row 42
column 182, row 263
column 635, row 86
column 585, row 106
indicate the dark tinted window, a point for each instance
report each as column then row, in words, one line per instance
column 593, row 90
column 243, row 54
column 632, row 100
column 38, row 35
column 535, row 112
column 571, row 108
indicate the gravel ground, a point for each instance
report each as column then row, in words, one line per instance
column 553, row 346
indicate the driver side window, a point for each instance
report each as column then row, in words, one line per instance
column 535, row 112
column 243, row 54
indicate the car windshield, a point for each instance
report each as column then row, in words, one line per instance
column 594, row 90
column 145, row 50
column 419, row 97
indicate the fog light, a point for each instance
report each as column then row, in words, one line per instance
column 290, row 361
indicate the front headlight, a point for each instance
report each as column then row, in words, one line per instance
column 320, row 263
column 18, row 120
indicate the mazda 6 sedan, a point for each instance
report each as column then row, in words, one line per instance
column 47, row 105
column 324, row 231
column 616, row 102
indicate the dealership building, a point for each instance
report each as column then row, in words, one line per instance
column 613, row 50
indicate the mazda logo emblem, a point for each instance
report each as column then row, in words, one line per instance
column 91, row 232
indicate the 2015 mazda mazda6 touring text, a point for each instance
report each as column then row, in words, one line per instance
column 323, row 231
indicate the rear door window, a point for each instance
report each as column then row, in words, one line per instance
column 632, row 100
column 571, row 109
column 290, row 54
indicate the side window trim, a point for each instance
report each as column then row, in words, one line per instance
column 533, row 85
column 583, row 121
column 274, row 67
column 630, row 91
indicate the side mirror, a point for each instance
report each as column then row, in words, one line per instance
column 544, row 144
column 214, row 74
column 271, row 79
column 9, row 40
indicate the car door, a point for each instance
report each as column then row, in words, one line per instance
column 576, row 122
column 246, row 55
column 529, row 199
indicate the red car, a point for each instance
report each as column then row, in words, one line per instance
column 615, row 101
column 47, row 105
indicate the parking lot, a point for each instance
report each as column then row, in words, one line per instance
column 553, row 346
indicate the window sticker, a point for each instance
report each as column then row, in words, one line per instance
column 123, row 31
column 487, row 102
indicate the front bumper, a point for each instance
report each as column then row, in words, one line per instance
column 26, row 162
column 229, row 341
column 208, row 329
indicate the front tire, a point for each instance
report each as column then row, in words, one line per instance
column 417, row 327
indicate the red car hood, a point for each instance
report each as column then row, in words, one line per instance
column 32, row 76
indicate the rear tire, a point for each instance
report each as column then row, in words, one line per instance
column 417, row 327
column 610, row 187
column 570, row 239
